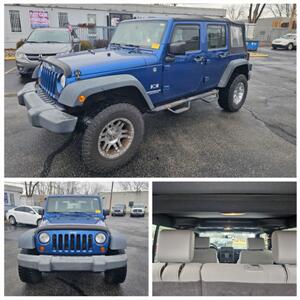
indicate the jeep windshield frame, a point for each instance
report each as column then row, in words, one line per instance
column 146, row 34
column 73, row 204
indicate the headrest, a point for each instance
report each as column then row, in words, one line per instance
column 256, row 244
column 201, row 242
column 284, row 247
column 175, row 246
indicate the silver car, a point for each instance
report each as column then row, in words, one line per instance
column 44, row 42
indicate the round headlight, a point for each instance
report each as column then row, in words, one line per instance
column 63, row 81
column 44, row 238
column 100, row 238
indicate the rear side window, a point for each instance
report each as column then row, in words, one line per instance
column 216, row 36
column 190, row 34
column 236, row 37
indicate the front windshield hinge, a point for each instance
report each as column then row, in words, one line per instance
column 77, row 74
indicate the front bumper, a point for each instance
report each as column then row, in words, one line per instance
column 279, row 46
column 26, row 67
column 43, row 114
column 49, row 263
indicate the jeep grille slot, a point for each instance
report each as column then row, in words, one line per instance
column 74, row 242
column 48, row 80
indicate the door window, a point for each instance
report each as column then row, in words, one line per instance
column 27, row 209
column 12, row 199
column 216, row 37
column 190, row 34
column 21, row 209
column 15, row 21
column 63, row 19
column 5, row 198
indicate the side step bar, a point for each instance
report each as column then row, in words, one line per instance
column 206, row 97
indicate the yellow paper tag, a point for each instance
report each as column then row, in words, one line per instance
column 97, row 211
column 155, row 46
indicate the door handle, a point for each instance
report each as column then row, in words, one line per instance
column 223, row 55
column 200, row 59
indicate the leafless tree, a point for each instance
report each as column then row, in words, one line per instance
column 135, row 186
column 30, row 188
column 255, row 13
column 236, row 12
column 280, row 10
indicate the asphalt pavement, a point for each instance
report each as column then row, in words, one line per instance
column 257, row 141
column 84, row 283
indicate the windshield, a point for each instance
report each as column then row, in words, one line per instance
column 237, row 240
column 73, row 204
column 288, row 36
column 145, row 34
column 138, row 205
column 49, row 36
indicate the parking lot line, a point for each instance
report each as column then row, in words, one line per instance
column 10, row 70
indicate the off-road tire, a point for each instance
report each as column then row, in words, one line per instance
column 29, row 275
column 90, row 154
column 226, row 94
column 12, row 220
column 290, row 46
column 115, row 276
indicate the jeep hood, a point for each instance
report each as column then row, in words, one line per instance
column 44, row 48
column 107, row 61
column 60, row 219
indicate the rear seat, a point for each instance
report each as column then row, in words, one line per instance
column 175, row 273
column 256, row 253
column 204, row 254
column 255, row 280
column 285, row 253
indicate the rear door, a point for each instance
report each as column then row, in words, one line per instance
column 182, row 76
column 217, row 52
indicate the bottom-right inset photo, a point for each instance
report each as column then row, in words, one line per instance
column 224, row 239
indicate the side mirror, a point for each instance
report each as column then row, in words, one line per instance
column 32, row 212
column 177, row 48
column 106, row 212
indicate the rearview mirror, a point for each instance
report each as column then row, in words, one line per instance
column 177, row 48
column 76, row 40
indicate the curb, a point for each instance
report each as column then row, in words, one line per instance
column 10, row 58
column 253, row 54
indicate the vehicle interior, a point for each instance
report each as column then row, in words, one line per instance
column 224, row 239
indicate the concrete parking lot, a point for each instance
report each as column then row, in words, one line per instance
column 84, row 284
column 258, row 141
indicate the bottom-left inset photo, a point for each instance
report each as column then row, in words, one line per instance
column 76, row 238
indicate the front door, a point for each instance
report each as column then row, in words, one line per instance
column 183, row 75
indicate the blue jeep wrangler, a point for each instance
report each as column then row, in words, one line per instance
column 72, row 237
column 150, row 65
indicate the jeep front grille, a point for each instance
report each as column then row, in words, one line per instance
column 72, row 242
column 48, row 80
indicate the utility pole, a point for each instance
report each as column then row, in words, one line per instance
column 111, row 192
column 292, row 18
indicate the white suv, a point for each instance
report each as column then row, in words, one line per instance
column 288, row 41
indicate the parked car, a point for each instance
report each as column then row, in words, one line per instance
column 42, row 43
column 73, row 236
column 151, row 65
column 138, row 210
column 30, row 215
column 118, row 210
column 224, row 239
column 288, row 41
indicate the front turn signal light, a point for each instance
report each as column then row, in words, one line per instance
column 81, row 98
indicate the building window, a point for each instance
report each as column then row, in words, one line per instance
column 12, row 199
column 5, row 198
column 92, row 23
column 15, row 21
column 63, row 19
column 190, row 34
column 216, row 36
